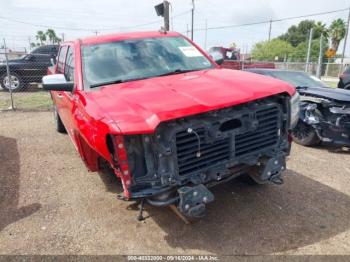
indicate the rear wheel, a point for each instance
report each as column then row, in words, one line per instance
column 17, row 83
column 58, row 122
column 304, row 134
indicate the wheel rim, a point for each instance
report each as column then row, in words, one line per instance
column 14, row 82
column 302, row 131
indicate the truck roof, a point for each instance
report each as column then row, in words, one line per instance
column 122, row 36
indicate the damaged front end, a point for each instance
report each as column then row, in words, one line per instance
column 323, row 120
column 185, row 157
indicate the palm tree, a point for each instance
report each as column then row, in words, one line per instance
column 40, row 35
column 50, row 33
column 337, row 31
column 321, row 29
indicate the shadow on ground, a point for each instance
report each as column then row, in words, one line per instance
column 261, row 219
column 10, row 183
column 110, row 180
column 333, row 148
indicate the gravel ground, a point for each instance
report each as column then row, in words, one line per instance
column 50, row 204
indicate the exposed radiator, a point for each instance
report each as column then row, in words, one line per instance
column 265, row 136
column 188, row 145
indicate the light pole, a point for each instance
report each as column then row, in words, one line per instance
column 192, row 18
column 308, row 51
column 345, row 40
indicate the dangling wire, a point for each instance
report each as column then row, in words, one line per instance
column 191, row 131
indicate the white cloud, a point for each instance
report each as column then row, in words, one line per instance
column 116, row 14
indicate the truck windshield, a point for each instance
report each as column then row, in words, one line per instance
column 127, row 60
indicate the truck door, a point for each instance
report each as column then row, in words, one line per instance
column 58, row 95
column 67, row 98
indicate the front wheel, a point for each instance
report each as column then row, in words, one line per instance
column 347, row 87
column 305, row 135
column 17, row 83
column 58, row 122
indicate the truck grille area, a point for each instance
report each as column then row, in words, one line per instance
column 197, row 151
column 193, row 153
column 266, row 134
column 205, row 147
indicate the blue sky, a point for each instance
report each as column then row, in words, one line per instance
column 109, row 16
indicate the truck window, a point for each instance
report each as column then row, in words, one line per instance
column 69, row 67
column 61, row 59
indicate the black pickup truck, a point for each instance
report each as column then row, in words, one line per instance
column 27, row 69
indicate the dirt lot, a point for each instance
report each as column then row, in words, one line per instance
column 50, row 204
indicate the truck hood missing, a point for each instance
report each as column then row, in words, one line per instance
column 139, row 106
column 336, row 94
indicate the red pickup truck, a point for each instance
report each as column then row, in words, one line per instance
column 167, row 119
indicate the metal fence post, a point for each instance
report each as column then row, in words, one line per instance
column 8, row 75
column 308, row 51
column 320, row 56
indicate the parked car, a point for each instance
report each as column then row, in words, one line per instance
column 344, row 79
column 28, row 68
column 325, row 111
column 167, row 119
column 231, row 58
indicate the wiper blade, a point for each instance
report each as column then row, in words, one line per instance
column 301, row 87
column 176, row 71
column 118, row 81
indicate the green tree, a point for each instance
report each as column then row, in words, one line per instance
column 300, row 52
column 337, row 31
column 297, row 34
column 41, row 36
column 270, row 50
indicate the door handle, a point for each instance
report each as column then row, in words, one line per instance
column 59, row 95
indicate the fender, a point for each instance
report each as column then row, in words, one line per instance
column 89, row 156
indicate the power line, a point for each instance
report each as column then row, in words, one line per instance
column 85, row 29
column 45, row 26
column 273, row 20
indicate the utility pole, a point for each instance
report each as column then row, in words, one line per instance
column 345, row 40
column 29, row 42
column 320, row 55
column 308, row 51
column 96, row 32
column 62, row 35
column 9, row 77
column 206, row 34
column 187, row 30
column 270, row 27
column 166, row 15
column 192, row 18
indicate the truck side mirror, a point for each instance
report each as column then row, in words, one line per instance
column 57, row 82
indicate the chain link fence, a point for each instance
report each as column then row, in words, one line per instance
column 327, row 69
column 20, row 79
column 21, row 75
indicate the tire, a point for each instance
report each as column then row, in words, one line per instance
column 305, row 135
column 17, row 84
column 340, row 84
column 347, row 87
column 58, row 122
